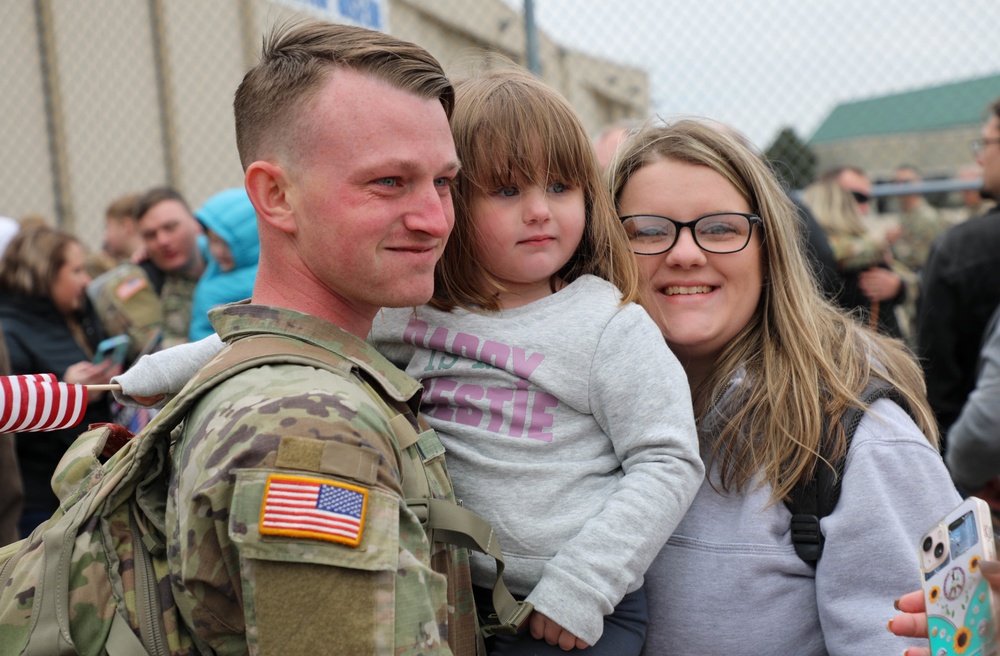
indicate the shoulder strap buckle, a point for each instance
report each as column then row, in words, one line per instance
column 806, row 537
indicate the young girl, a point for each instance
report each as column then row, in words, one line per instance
column 577, row 445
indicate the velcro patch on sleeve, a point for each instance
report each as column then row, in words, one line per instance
column 305, row 507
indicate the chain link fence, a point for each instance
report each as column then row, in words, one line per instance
column 107, row 97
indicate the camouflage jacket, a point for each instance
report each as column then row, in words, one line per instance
column 177, row 297
column 350, row 570
column 920, row 227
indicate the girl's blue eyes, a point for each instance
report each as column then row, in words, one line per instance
column 554, row 188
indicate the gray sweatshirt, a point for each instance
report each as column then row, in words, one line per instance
column 729, row 582
column 568, row 426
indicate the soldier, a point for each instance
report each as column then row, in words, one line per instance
column 121, row 235
column 343, row 134
column 171, row 235
column 919, row 223
column 151, row 301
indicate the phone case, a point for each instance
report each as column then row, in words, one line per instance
column 114, row 348
column 959, row 601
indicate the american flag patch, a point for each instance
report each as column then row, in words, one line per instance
column 130, row 288
column 298, row 506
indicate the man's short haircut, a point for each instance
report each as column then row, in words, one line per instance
column 297, row 58
column 123, row 208
column 155, row 196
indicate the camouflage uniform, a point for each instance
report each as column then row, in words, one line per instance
column 920, row 227
column 239, row 583
column 177, row 297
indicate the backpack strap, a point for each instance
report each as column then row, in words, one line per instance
column 448, row 522
column 445, row 521
column 812, row 500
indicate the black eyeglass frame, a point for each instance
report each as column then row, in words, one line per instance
column 753, row 219
column 860, row 197
column 978, row 145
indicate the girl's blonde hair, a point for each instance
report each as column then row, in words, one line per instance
column 511, row 129
column 800, row 362
column 835, row 208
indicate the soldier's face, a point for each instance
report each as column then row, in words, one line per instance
column 170, row 234
column 371, row 193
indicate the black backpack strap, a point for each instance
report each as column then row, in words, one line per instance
column 812, row 500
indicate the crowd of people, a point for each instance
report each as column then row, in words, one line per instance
column 630, row 372
column 153, row 280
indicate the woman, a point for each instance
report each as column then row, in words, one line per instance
column 860, row 254
column 48, row 328
column 770, row 364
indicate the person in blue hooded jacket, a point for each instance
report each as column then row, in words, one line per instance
column 231, row 226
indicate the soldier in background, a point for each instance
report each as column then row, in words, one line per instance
column 175, row 244
column 151, row 301
column 974, row 203
column 121, row 235
column 344, row 137
column 919, row 224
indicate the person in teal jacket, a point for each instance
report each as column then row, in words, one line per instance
column 231, row 225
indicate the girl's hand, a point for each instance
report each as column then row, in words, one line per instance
column 542, row 628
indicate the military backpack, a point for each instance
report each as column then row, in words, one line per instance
column 94, row 578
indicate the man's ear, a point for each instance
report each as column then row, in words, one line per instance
column 266, row 185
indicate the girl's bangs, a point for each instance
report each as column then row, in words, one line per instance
column 530, row 143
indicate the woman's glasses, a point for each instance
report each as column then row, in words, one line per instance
column 724, row 232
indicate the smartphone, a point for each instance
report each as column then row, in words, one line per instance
column 112, row 348
column 960, row 602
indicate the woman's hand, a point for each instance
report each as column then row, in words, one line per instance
column 90, row 373
column 912, row 623
column 542, row 628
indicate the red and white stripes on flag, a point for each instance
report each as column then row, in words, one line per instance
column 39, row 402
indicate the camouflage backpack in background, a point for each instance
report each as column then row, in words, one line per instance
column 128, row 303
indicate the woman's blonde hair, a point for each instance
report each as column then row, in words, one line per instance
column 800, row 362
column 834, row 208
column 511, row 129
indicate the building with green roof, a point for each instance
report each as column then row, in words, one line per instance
column 930, row 128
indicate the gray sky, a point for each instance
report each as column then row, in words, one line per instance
column 763, row 64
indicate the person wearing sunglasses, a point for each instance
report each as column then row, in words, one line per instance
column 839, row 199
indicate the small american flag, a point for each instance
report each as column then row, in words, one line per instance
column 298, row 506
column 39, row 402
